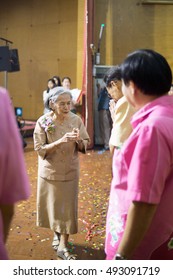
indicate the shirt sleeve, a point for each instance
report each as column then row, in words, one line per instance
column 84, row 135
column 149, row 165
column 121, row 126
column 45, row 94
column 39, row 136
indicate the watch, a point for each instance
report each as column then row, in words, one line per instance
column 120, row 257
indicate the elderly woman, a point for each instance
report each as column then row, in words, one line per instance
column 58, row 136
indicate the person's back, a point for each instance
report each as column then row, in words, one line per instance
column 103, row 99
column 14, row 185
column 157, row 122
column 105, row 122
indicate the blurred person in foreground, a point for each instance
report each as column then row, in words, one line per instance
column 14, row 183
column 58, row 137
column 139, row 222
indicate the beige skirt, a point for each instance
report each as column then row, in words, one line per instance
column 57, row 205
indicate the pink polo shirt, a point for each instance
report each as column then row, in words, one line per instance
column 14, row 184
column 143, row 171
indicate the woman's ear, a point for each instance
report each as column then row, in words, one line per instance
column 113, row 84
column 51, row 105
column 133, row 88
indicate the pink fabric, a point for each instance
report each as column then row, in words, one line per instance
column 14, row 184
column 143, row 171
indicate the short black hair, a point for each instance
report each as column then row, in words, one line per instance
column 58, row 79
column 53, row 82
column 112, row 74
column 149, row 71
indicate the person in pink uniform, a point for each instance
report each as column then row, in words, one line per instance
column 14, row 184
column 139, row 222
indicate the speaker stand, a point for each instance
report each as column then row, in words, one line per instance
column 6, row 79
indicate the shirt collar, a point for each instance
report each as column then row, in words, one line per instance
column 140, row 115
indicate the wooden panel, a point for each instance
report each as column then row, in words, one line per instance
column 80, row 42
column 45, row 34
column 49, row 39
column 133, row 26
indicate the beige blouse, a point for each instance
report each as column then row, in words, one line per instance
column 121, row 124
column 63, row 164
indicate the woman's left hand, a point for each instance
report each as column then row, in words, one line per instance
column 79, row 139
column 70, row 136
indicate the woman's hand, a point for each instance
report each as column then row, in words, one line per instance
column 79, row 139
column 71, row 136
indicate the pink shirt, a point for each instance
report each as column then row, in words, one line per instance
column 143, row 171
column 14, row 184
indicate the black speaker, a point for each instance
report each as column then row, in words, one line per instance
column 5, row 64
column 14, row 61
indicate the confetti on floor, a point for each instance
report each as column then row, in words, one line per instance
column 27, row 241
